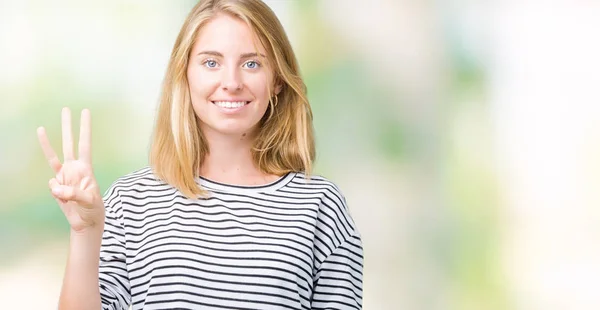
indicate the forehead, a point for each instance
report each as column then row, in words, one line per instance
column 227, row 34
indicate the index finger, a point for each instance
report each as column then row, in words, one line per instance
column 48, row 151
column 85, row 137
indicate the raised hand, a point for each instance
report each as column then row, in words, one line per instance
column 74, row 187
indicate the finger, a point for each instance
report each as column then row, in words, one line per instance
column 60, row 177
column 53, row 183
column 67, row 134
column 85, row 137
column 84, row 183
column 48, row 151
column 74, row 194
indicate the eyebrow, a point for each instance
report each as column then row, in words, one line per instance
column 243, row 56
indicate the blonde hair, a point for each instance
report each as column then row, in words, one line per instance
column 285, row 141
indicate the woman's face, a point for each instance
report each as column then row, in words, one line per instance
column 229, row 79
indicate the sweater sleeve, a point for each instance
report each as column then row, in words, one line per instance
column 338, row 250
column 113, row 276
column 338, row 280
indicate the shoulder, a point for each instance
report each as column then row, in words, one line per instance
column 137, row 182
column 333, row 207
column 140, row 176
column 317, row 184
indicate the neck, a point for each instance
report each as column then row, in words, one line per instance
column 227, row 155
column 229, row 160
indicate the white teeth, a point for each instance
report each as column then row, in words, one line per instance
column 230, row 104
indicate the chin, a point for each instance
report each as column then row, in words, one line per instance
column 233, row 129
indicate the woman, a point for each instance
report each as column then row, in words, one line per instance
column 226, row 216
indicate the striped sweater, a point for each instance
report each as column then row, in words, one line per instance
column 290, row 244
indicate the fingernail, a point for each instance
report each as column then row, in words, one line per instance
column 57, row 191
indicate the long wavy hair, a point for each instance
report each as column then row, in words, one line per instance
column 285, row 141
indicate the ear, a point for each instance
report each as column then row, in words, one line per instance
column 278, row 88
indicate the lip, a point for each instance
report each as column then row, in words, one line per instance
column 231, row 110
column 230, row 100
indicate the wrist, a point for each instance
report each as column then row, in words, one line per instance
column 88, row 234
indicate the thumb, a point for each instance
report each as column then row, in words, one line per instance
column 69, row 193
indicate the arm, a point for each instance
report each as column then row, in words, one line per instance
column 96, row 275
column 80, row 283
column 113, row 280
column 76, row 191
column 338, row 268
column 339, row 278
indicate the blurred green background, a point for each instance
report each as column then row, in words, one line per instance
column 463, row 134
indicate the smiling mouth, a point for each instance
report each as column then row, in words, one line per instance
column 230, row 104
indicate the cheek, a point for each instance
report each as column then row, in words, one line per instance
column 200, row 85
column 259, row 87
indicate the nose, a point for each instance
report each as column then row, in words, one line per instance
column 231, row 80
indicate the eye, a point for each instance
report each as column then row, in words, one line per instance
column 251, row 64
column 210, row 63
